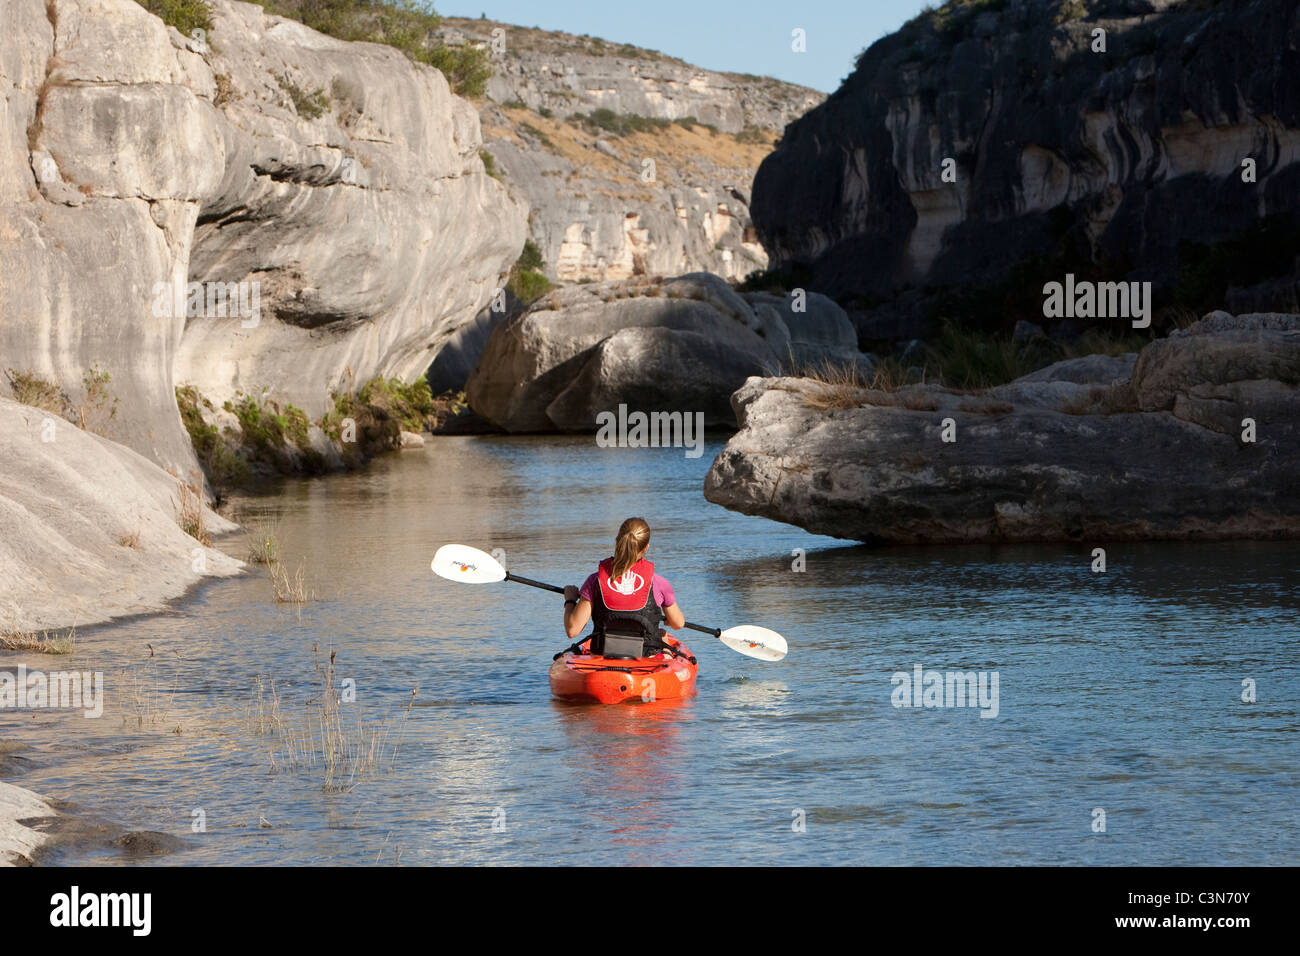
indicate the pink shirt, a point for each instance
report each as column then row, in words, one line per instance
column 663, row 591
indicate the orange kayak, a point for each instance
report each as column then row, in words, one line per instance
column 610, row 680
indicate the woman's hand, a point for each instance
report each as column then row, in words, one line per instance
column 570, row 592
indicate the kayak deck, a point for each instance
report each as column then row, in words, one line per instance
column 609, row 680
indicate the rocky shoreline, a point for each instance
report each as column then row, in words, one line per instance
column 1198, row 442
column 19, row 842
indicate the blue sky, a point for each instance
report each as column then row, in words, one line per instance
column 742, row 36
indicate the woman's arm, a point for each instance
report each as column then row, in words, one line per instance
column 577, row 615
column 673, row 617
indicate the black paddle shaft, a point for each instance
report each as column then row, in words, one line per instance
column 551, row 587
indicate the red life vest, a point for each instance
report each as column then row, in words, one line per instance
column 626, row 605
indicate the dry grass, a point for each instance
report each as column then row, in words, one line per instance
column 322, row 737
column 46, row 642
column 144, row 701
column 30, row 389
column 845, row 386
column 986, row 408
column 1176, row 317
column 290, row 587
column 130, row 539
column 678, row 152
column 1105, row 400
column 189, row 511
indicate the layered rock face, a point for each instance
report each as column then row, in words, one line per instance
column 1198, row 440
column 545, row 69
column 1113, row 161
column 598, row 211
column 656, row 203
column 683, row 344
column 337, row 186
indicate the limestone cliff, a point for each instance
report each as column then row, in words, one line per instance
column 340, row 180
column 1124, row 161
column 599, row 210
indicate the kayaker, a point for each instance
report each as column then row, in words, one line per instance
column 625, row 600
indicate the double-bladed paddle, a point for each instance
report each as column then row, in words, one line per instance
column 460, row 562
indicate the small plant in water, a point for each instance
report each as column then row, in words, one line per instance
column 323, row 737
column 290, row 588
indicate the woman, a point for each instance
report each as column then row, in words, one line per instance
column 625, row 600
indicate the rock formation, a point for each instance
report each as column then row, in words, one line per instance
column 89, row 529
column 680, row 344
column 18, row 841
column 595, row 214
column 1172, row 157
column 339, row 180
column 1200, row 442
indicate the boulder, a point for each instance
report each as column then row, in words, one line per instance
column 1072, row 452
column 682, row 344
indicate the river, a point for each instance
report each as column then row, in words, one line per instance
column 1118, row 691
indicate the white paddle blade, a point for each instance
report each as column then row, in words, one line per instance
column 754, row 641
column 460, row 562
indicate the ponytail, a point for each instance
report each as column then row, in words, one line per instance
column 633, row 538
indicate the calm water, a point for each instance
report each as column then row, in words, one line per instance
column 1120, row 691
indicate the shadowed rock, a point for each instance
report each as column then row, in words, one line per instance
column 678, row 345
column 1120, row 161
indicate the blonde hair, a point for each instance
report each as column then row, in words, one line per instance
column 632, row 540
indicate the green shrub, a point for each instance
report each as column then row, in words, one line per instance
column 753, row 134
column 467, row 69
column 266, row 428
column 536, row 133
column 185, row 15
column 409, row 404
column 310, row 105
column 489, row 163
column 531, row 257
column 527, row 280
column 966, row 359
column 529, row 285
column 406, row 25
column 223, row 465
column 619, row 124
column 379, row 412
